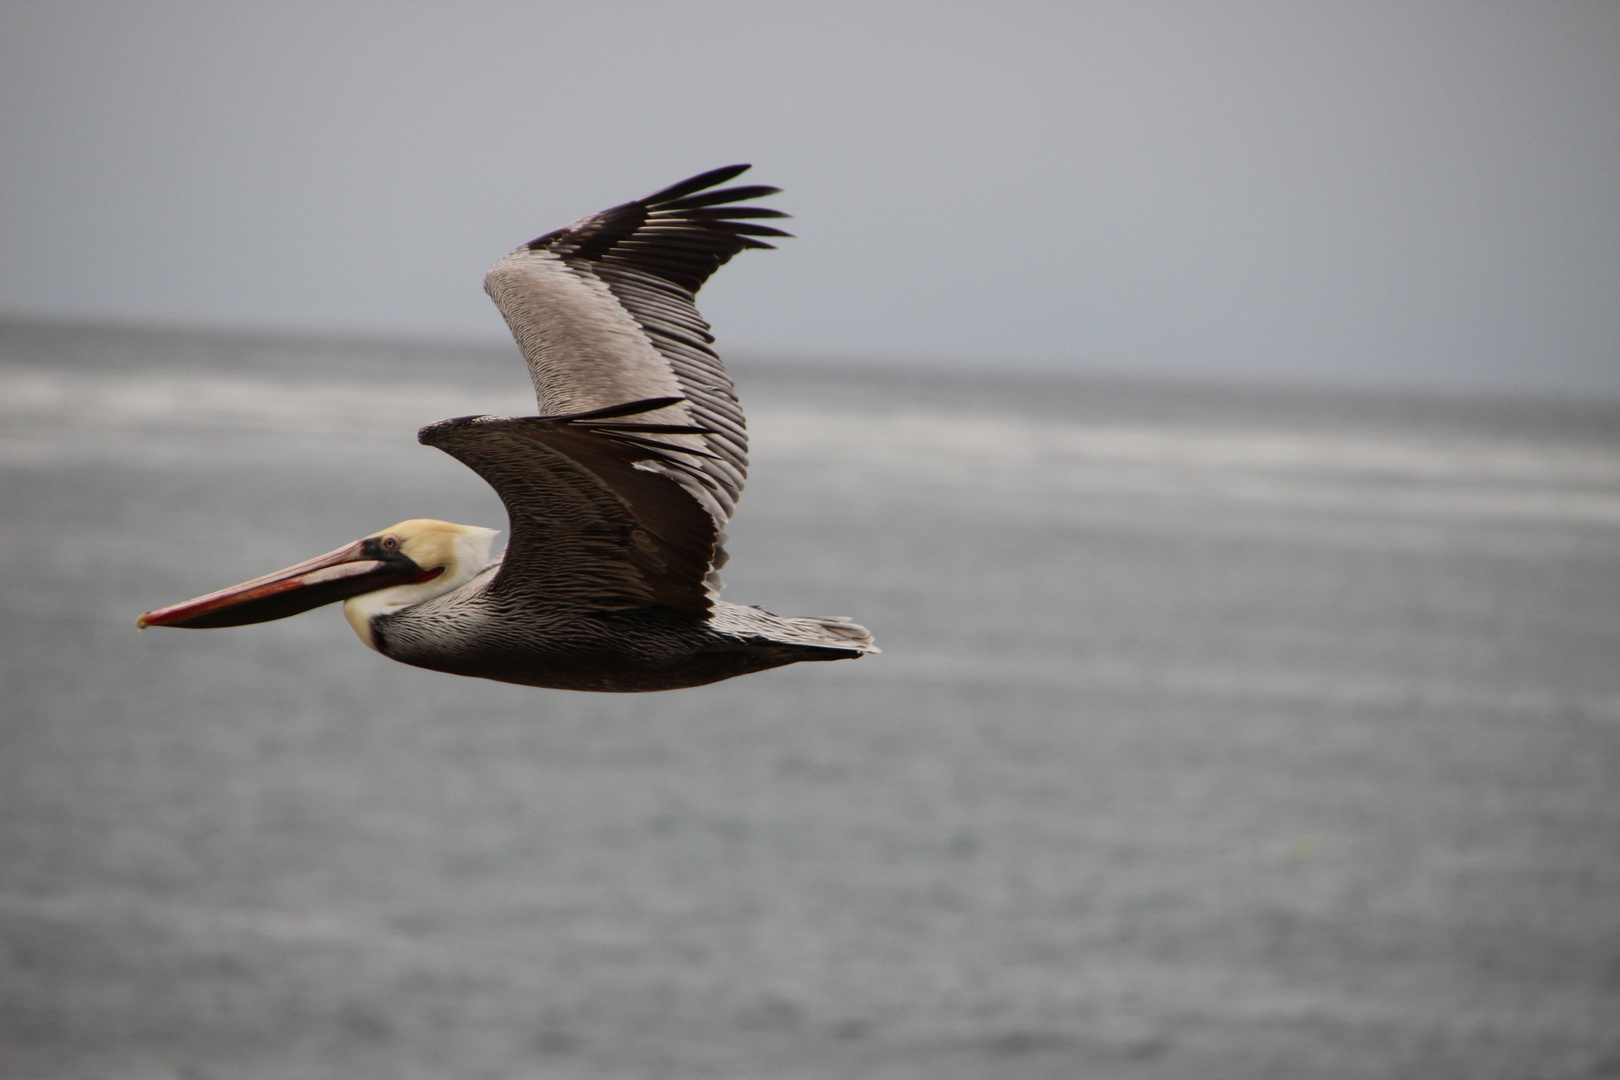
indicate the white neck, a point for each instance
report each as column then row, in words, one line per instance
column 469, row 553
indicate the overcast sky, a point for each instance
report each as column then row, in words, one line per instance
column 1411, row 191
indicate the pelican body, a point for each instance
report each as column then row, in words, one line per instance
column 616, row 494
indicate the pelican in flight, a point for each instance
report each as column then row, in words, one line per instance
column 617, row 494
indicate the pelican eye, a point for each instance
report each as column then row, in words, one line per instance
column 390, row 543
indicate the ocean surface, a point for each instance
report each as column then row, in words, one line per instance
column 1219, row 733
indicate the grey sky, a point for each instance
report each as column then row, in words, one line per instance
column 1416, row 191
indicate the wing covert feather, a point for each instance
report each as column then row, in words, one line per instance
column 592, row 526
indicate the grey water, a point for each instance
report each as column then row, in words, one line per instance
column 1219, row 732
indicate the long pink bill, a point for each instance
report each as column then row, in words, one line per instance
column 349, row 571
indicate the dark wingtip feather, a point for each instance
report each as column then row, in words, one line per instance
column 681, row 234
column 712, row 198
column 723, row 212
column 697, row 183
column 675, row 197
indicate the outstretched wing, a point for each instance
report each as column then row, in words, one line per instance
column 604, row 313
column 592, row 525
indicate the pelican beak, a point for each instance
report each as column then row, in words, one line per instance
column 361, row 567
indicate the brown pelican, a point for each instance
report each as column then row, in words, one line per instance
column 617, row 494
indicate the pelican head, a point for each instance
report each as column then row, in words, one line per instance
column 411, row 562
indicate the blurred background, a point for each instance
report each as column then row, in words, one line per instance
column 1422, row 193
column 1213, row 409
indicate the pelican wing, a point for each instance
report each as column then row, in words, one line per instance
column 599, row 518
column 604, row 311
